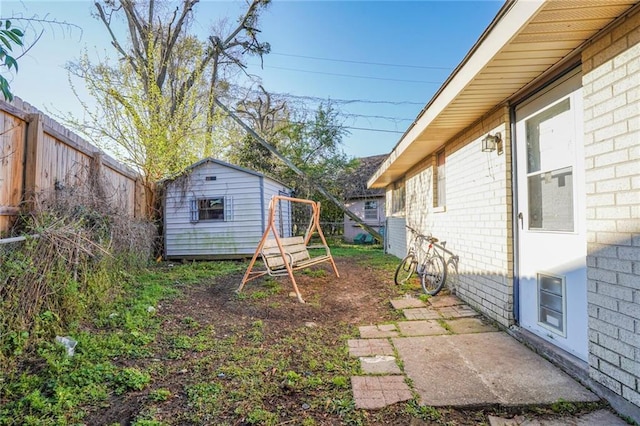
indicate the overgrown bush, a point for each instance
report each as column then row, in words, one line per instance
column 68, row 266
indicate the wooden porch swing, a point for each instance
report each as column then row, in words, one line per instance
column 284, row 255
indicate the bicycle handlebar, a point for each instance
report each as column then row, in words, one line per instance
column 433, row 240
column 429, row 237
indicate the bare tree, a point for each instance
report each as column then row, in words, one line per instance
column 153, row 43
column 159, row 98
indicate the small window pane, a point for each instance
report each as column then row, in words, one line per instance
column 551, row 294
column 211, row 208
column 551, row 200
column 370, row 209
column 550, row 143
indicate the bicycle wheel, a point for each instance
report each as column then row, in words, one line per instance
column 405, row 270
column 433, row 275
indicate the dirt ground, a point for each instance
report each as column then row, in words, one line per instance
column 359, row 297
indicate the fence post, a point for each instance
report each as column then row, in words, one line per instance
column 140, row 200
column 95, row 176
column 33, row 159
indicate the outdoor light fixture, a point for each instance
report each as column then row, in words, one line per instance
column 492, row 142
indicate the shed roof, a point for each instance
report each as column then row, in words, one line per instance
column 526, row 41
column 224, row 164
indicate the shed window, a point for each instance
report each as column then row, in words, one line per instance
column 211, row 209
column 371, row 210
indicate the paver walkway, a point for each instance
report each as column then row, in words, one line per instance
column 452, row 356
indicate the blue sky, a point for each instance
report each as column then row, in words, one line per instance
column 363, row 51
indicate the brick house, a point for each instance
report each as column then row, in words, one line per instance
column 527, row 161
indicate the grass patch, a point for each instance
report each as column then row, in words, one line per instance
column 247, row 372
column 422, row 412
column 50, row 386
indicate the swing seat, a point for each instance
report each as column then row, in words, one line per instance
column 283, row 256
column 296, row 253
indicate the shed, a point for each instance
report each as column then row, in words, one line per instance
column 217, row 210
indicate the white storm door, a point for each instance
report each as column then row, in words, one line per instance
column 551, row 222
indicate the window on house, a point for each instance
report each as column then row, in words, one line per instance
column 397, row 199
column 371, row 210
column 211, row 209
column 441, row 180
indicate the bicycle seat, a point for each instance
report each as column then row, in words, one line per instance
column 433, row 239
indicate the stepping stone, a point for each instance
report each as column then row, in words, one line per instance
column 420, row 314
column 407, row 302
column 444, row 301
column 421, row 328
column 374, row 392
column 380, row 364
column 378, row 331
column 461, row 311
column 369, row 347
column 468, row 325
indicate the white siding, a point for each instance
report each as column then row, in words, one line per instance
column 283, row 214
column 235, row 237
column 396, row 236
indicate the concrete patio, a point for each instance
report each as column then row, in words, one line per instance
column 453, row 357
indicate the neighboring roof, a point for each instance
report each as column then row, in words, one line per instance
column 355, row 183
column 526, row 40
column 224, row 164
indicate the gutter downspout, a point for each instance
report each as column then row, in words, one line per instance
column 514, row 217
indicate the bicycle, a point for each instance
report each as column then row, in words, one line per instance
column 428, row 265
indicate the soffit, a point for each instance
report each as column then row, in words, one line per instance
column 526, row 39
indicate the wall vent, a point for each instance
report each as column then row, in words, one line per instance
column 552, row 313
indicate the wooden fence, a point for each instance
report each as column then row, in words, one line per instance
column 40, row 156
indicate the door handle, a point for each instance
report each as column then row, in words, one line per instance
column 521, row 218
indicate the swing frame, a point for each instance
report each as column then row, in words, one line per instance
column 282, row 256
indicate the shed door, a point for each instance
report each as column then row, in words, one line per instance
column 551, row 216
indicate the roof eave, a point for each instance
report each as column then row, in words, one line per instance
column 509, row 20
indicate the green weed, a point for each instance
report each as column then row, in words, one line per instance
column 203, row 397
column 445, row 325
column 159, row 395
column 340, row 382
column 190, row 322
column 564, row 407
column 314, row 273
column 260, row 416
column 131, row 379
column 423, row 412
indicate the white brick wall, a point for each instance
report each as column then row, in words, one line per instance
column 611, row 81
column 476, row 219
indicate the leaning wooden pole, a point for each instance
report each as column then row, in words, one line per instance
column 299, row 172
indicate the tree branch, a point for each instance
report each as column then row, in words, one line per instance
column 114, row 40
